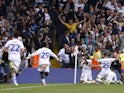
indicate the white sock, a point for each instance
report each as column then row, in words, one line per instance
column 14, row 79
column 43, row 81
column 88, row 82
column 99, row 80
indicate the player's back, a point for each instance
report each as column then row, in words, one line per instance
column 14, row 49
column 106, row 63
column 45, row 54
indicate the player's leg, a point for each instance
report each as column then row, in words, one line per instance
column 121, row 74
column 42, row 74
column 82, row 78
column 90, row 79
column 46, row 74
column 100, row 76
column 119, row 69
column 122, row 77
column 41, row 70
column 98, row 79
column 85, row 77
column 13, row 70
column 111, row 77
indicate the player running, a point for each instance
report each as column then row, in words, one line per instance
column 44, row 60
column 15, row 48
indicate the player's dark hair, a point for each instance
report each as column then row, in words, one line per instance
column 16, row 34
column 44, row 44
column 105, row 54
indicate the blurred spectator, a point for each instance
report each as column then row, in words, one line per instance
column 91, row 22
column 1, row 49
column 2, row 9
column 66, row 39
column 64, row 57
column 60, row 31
column 104, row 50
column 121, row 38
column 72, row 57
column 80, row 4
column 71, row 26
column 96, row 55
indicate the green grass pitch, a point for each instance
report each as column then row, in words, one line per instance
column 62, row 88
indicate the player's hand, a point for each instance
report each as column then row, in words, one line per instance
column 28, row 57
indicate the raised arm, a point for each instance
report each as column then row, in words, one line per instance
column 33, row 54
column 84, row 20
column 61, row 20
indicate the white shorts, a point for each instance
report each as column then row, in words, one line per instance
column 43, row 68
column 111, row 77
column 86, row 76
column 15, row 64
column 103, row 74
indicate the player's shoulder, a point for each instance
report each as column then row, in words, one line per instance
column 44, row 49
column 14, row 39
column 9, row 41
column 101, row 59
column 107, row 59
column 17, row 41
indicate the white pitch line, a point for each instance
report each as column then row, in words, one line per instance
column 26, row 87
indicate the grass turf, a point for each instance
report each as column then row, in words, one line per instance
column 62, row 88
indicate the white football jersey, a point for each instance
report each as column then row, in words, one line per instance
column 44, row 55
column 86, row 67
column 14, row 49
column 106, row 63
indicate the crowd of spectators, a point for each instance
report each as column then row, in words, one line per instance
column 74, row 22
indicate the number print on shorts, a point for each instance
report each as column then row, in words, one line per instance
column 14, row 47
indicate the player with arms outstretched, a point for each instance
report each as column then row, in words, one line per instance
column 15, row 48
column 44, row 60
column 106, row 75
